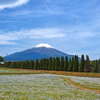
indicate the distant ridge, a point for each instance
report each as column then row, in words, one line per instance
column 38, row 52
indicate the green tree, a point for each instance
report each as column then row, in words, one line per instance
column 62, row 64
column 57, row 63
column 14, row 64
column 32, row 64
column 21, row 64
column 66, row 63
column 71, row 64
column 76, row 64
column 50, row 63
column 87, row 64
column 1, row 59
column 99, row 62
column 43, row 64
column 24, row 64
column 37, row 64
column 53, row 64
column 8, row 64
column 82, row 64
column 47, row 64
column 96, row 66
column 27, row 64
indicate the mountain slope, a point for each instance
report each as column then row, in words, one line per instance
column 40, row 51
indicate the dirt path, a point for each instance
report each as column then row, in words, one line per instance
column 80, row 87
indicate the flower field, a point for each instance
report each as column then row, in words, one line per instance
column 88, row 82
column 43, row 87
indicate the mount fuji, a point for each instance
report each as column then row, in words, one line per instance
column 38, row 52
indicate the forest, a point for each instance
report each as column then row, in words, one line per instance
column 58, row 64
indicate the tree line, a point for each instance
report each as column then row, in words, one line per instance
column 56, row 63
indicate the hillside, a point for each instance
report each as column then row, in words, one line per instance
column 40, row 51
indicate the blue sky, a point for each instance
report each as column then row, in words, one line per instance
column 71, row 26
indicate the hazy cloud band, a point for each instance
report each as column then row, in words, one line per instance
column 31, row 34
column 11, row 3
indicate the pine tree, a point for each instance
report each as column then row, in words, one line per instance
column 99, row 61
column 53, row 64
column 70, row 65
column 45, row 67
column 13, row 64
column 96, row 66
column 57, row 63
column 46, row 63
column 82, row 64
column 32, row 62
column 9, row 64
column 21, row 65
column 37, row 64
column 27, row 64
column 43, row 64
column 1, row 59
column 76, row 64
column 24, row 64
column 66, row 63
column 50, row 63
column 62, row 64
column 87, row 64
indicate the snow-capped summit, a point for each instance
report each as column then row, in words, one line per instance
column 43, row 45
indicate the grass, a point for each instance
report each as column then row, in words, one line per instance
column 41, row 87
column 23, row 84
column 28, row 71
column 88, row 82
column 7, row 71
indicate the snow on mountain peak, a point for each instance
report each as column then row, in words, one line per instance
column 43, row 45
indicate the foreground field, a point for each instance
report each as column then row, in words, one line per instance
column 18, row 84
column 41, row 87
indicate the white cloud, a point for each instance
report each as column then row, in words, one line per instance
column 31, row 34
column 3, row 42
column 39, row 12
column 11, row 3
